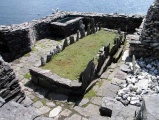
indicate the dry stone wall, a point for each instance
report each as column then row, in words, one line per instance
column 112, row 21
column 16, row 40
column 147, row 44
column 9, row 86
column 53, row 82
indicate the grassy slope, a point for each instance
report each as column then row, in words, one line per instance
column 74, row 59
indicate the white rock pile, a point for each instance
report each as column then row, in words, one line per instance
column 143, row 82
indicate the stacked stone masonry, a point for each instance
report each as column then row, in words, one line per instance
column 9, row 86
column 58, row 84
column 17, row 40
column 146, row 43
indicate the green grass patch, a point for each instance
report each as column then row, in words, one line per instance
column 74, row 59
column 27, row 76
column 90, row 94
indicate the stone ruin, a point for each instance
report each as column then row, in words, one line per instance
column 17, row 40
column 9, row 86
column 12, row 47
column 146, row 42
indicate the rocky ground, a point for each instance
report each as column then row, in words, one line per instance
column 117, row 87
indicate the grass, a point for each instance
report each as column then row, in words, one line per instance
column 74, row 59
column 90, row 94
column 27, row 76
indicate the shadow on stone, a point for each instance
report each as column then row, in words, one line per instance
column 105, row 111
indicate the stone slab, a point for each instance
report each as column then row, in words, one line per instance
column 44, row 109
column 74, row 117
column 96, row 100
column 119, row 111
column 38, row 104
column 53, row 113
column 150, row 108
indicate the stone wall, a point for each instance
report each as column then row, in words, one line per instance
column 147, row 44
column 58, row 84
column 112, row 21
column 9, row 87
column 16, row 40
column 54, row 82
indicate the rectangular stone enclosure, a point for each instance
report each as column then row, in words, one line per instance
column 65, row 26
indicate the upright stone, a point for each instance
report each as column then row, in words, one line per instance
column 72, row 39
column 58, row 48
column 88, row 30
column 96, row 29
column 42, row 61
column 134, row 64
column 106, row 50
column 119, row 31
column 92, row 25
column 100, row 27
column 77, row 38
column 82, row 29
column 48, row 58
column 65, row 44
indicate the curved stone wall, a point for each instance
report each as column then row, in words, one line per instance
column 147, row 44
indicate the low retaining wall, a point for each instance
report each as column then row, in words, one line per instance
column 55, row 83
column 16, row 40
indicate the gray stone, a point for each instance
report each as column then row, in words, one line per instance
column 44, row 109
column 50, row 104
column 27, row 102
column 96, row 100
column 92, row 110
column 149, row 109
column 72, row 39
column 88, row 74
column 74, row 117
column 2, row 101
column 125, row 68
column 65, row 44
column 38, row 104
column 42, row 118
column 105, row 75
column 82, row 29
column 58, row 97
column 15, row 111
column 92, row 25
column 107, row 89
column 83, row 101
column 118, row 82
column 48, row 58
column 42, row 61
column 66, row 113
column 120, row 75
column 134, row 64
column 55, row 112
column 88, row 30
column 77, row 38
column 119, row 111
column 125, row 55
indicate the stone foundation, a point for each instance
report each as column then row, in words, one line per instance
column 58, row 84
column 16, row 40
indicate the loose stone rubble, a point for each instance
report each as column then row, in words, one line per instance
column 144, row 82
